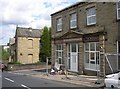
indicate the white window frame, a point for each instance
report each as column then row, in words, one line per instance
column 59, row 51
column 73, row 20
column 88, row 65
column 90, row 16
column 59, row 24
column 118, row 9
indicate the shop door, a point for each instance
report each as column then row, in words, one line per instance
column 74, row 57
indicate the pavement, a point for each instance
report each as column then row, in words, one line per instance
column 88, row 81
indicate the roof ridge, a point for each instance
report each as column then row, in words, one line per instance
column 29, row 28
column 27, row 32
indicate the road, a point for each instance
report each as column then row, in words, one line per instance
column 28, row 82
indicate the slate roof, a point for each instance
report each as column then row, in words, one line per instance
column 28, row 32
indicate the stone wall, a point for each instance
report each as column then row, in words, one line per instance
column 106, row 22
column 23, row 50
column 14, row 67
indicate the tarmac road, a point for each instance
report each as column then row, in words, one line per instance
column 29, row 82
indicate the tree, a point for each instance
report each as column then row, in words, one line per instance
column 45, row 44
column 50, row 40
column 4, row 55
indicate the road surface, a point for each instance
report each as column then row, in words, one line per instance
column 28, row 82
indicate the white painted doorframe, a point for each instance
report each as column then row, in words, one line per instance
column 74, row 57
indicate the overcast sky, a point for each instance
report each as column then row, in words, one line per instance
column 27, row 13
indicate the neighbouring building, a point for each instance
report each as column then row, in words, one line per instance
column 12, row 50
column 83, row 34
column 27, row 43
column 5, row 47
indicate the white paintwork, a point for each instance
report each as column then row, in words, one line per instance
column 25, row 86
column 9, row 79
column 113, row 80
column 74, row 58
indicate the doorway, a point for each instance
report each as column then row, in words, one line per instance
column 73, row 51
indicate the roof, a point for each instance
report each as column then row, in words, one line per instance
column 76, row 4
column 28, row 32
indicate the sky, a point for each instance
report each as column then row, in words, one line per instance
column 27, row 13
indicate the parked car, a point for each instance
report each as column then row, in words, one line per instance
column 113, row 80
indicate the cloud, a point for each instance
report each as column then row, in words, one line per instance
column 27, row 13
column 23, row 11
column 6, row 32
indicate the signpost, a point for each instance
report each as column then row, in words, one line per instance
column 47, row 60
column 47, row 65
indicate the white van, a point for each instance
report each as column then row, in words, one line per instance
column 113, row 80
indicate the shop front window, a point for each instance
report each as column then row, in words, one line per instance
column 92, row 55
column 59, row 53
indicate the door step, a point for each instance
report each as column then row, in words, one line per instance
column 73, row 73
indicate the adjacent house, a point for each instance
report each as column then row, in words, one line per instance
column 5, row 47
column 83, row 33
column 12, row 50
column 27, row 43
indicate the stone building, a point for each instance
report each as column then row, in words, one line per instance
column 27, row 41
column 12, row 50
column 83, row 34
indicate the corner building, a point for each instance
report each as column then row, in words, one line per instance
column 83, row 33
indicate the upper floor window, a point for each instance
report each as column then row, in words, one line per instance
column 30, row 43
column 59, row 24
column 118, row 9
column 91, row 16
column 73, row 20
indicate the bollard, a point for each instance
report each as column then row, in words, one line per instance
column 47, row 66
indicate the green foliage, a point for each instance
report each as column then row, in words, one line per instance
column 40, row 63
column 4, row 55
column 1, row 52
column 14, row 63
column 50, row 40
column 45, row 44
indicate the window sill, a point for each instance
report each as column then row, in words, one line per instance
column 91, row 69
column 73, row 28
column 91, row 25
column 117, row 20
column 58, row 31
column 30, row 48
column 69, row 70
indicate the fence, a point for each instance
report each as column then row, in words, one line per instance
column 112, row 62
